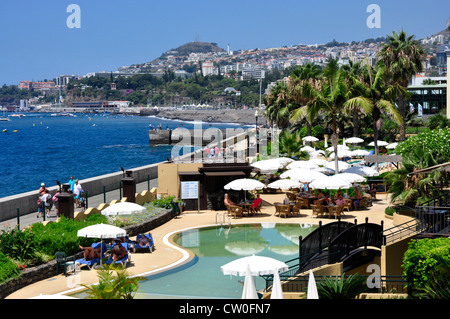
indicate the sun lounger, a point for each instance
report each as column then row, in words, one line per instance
column 151, row 246
column 93, row 262
column 122, row 261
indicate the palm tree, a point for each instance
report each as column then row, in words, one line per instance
column 328, row 96
column 309, row 73
column 278, row 105
column 355, row 71
column 290, row 144
column 401, row 57
column 374, row 97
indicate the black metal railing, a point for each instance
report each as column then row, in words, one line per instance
column 380, row 284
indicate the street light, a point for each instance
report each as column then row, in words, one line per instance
column 256, row 131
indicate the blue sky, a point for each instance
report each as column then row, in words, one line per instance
column 36, row 43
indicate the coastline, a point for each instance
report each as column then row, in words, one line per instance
column 239, row 117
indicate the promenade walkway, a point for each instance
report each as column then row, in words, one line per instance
column 93, row 201
column 167, row 255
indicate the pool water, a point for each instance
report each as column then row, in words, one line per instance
column 216, row 246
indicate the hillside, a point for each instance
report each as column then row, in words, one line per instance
column 192, row 47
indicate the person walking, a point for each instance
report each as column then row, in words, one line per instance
column 48, row 202
column 77, row 189
column 71, row 184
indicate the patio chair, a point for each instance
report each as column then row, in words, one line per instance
column 61, row 261
column 93, row 262
column 236, row 211
column 296, row 209
column 334, row 211
column 348, row 205
column 302, row 202
column 292, row 196
column 317, row 210
column 151, row 245
column 285, row 210
column 124, row 260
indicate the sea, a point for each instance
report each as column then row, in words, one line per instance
column 41, row 148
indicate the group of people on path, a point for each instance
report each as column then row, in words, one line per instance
column 46, row 201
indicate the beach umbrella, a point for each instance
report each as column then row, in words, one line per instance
column 342, row 153
column 267, row 166
column 310, row 139
column 123, row 208
column 307, row 149
column 56, row 296
column 249, row 290
column 285, row 184
column 339, row 147
column 101, row 231
column 365, row 171
column 302, row 164
column 379, row 143
column 317, row 153
column 312, row 287
column 245, row 248
column 258, row 265
column 351, row 177
column 330, row 182
column 302, row 174
column 391, row 146
column 284, row 160
column 318, row 161
column 360, row 153
column 277, row 291
column 324, row 170
column 341, row 165
column 354, row 140
column 244, row 184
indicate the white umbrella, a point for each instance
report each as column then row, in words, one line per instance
column 284, row 160
column 318, row 161
column 277, row 291
column 351, row 177
column 379, row 143
column 259, row 265
column 312, row 287
column 123, row 208
column 268, row 166
column 307, row 149
column 342, row 153
column 360, row 153
column 302, row 164
column 57, row 296
column 341, row 165
column 310, row 139
column 325, row 170
column 365, row 171
column 330, row 182
column 101, row 231
column 354, row 140
column 244, row 184
column 302, row 174
column 284, row 184
column 391, row 146
column 249, row 291
column 339, row 147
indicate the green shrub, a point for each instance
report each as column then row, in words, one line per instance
column 341, row 287
column 8, row 269
column 164, row 201
column 389, row 211
column 18, row 245
column 422, row 261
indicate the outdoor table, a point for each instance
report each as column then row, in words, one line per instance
column 245, row 207
column 310, row 199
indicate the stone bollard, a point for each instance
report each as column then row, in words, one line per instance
column 65, row 202
column 129, row 187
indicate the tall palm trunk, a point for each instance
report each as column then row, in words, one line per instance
column 355, row 123
column 402, row 112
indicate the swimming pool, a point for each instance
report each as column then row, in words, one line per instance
column 215, row 246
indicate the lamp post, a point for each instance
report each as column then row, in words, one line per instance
column 256, row 131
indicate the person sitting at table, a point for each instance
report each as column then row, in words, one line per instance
column 228, row 202
column 256, row 202
column 358, row 197
column 340, row 201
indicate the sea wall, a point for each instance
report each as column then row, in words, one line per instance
column 27, row 202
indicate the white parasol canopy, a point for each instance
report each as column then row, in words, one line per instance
column 302, row 174
column 307, row 149
column 330, row 182
column 318, row 161
column 391, row 146
column 56, row 296
column 302, row 164
column 339, row 147
column 277, row 291
column 285, row 184
column 379, row 143
column 360, row 153
column 310, row 139
column 312, row 287
column 259, row 265
column 123, row 208
column 244, row 184
column 101, row 231
column 351, row 177
column 365, row 171
column 341, row 165
column 249, row 290
column 341, row 153
column 354, row 140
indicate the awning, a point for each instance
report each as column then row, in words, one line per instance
column 189, row 173
column 225, row 173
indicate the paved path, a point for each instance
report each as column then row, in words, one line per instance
column 93, row 201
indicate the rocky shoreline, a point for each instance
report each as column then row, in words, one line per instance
column 215, row 116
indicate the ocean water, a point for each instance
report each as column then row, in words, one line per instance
column 43, row 148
